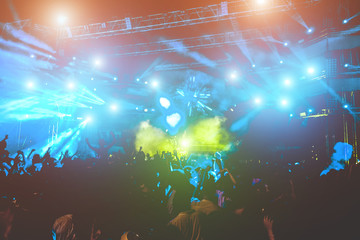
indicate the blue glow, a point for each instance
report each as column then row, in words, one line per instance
column 346, row 106
column 311, row 70
column 281, row 61
column 346, row 65
column 345, row 21
column 342, row 152
column 253, row 65
column 310, row 110
column 291, row 115
column 164, row 102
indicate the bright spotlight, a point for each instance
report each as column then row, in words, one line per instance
column 154, row 83
column 88, row 119
column 291, row 115
column 253, row 65
column 346, row 65
column 185, row 143
column 97, row 62
column 113, row 107
column 281, row 61
column 286, row 44
column 346, row 106
column 71, row 85
column 233, row 75
column 146, row 82
column 310, row 110
column 257, row 100
column 115, row 79
column 260, row 2
column 345, row 21
column 310, row 30
column 30, row 84
column 32, row 56
column 74, row 58
column 287, row 82
column 311, row 70
column 284, row 102
column 61, row 19
column 146, row 110
column 164, row 102
column 138, row 79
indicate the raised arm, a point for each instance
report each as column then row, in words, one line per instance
column 113, row 140
column 87, row 142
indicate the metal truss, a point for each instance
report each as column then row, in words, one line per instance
column 187, row 44
column 212, row 13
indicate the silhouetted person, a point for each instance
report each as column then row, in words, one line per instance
column 102, row 151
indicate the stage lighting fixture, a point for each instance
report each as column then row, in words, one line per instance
column 61, row 19
column 137, row 108
column 97, row 62
column 94, row 89
column 32, row 56
column 284, row 102
column 257, row 100
column 71, row 85
column 30, row 84
column 233, row 75
column 154, row 83
column 253, row 65
column 346, row 106
column 164, row 102
column 260, row 2
column 27, row 115
column 346, row 65
column 310, row 30
column 287, row 82
column 310, row 110
column 138, row 79
column 345, row 21
column 146, row 110
column 74, row 58
column 311, row 70
column 115, row 78
column 146, row 82
column 88, row 119
column 92, row 79
column 281, row 61
column 185, row 143
column 113, row 107
column 286, row 44
column 291, row 115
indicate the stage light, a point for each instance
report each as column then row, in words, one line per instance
column 287, row 82
column 94, row 89
column 32, row 56
column 260, row 2
column 92, row 79
column 146, row 110
column 291, row 115
column 154, row 84
column 115, row 78
column 346, row 106
column 88, row 119
column 253, row 65
column 61, row 19
column 71, row 85
column 284, row 102
column 164, row 102
column 30, row 84
column 146, row 82
column 281, row 61
column 311, row 70
column 138, row 79
column 185, row 143
column 286, row 44
column 345, row 21
column 310, row 30
column 113, row 107
column 74, row 58
column 310, row 110
column 346, row 65
column 233, row 75
column 257, row 100
column 137, row 108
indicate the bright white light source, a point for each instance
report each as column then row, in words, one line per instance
column 310, row 30
column 311, row 70
column 71, row 85
column 62, row 19
column 287, row 82
column 346, row 106
column 284, row 102
column 146, row 110
column 113, row 107
column 164, row 102
column 253, row 65
column 257, row 100
column 30, row 84
column 185, row 143
column 346, row 65
column 286, row 44
column 345, row 21
column 154, row 83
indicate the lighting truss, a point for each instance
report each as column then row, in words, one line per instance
column 199, row 15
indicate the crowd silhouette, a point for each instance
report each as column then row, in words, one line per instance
column 166, row 196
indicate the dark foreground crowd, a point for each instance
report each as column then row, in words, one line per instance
column 138, row 196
